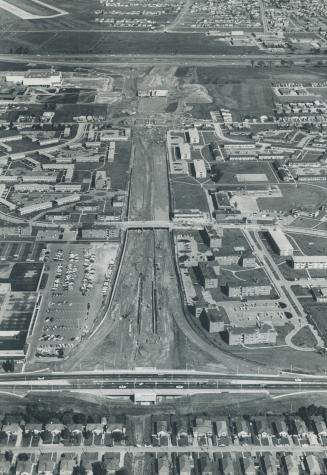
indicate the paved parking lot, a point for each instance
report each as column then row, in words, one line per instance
column 79, row 278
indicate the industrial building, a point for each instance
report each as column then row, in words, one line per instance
column 280, row 242
column 36, row 77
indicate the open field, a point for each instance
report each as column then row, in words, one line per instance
column 310, row 245
column 188, row 194
column 229, row 171
column 149, row 182
column 307, row 197
column 51, row 37
column 318, row 315
column 30, row 10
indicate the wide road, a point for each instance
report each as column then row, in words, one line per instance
column 129, row 381
column 150, row 59
column 131, row 449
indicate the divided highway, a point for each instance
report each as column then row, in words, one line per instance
column 129, row 382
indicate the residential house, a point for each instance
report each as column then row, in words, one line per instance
column 248, row 466
column 24, row 465
column 206, row 465
column 67, row 463
column 241, row 427
column 116, row 430
column 279, row 426
column 55, row 428
column 269, row 464
column 299, row 427
column 161, row 428
column 261, row 427
column 313, row 465
column 87, row 461
column 14, row 432
column 47, row 463
column 319, row 425
column 185, row 464
column 228, row 465
column 5, row 465
column 291, row 465
column 111, row 461
column 76, row 433
column 221, row 428
column 34, row 429
column 163, row 464
column 202, row 427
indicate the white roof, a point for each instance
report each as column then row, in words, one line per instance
column 280, row 239
column 309, row 258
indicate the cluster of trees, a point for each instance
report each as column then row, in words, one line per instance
column 8, row 366
column 19, row 50
column 44, row 415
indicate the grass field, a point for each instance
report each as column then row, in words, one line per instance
column 229, row 171
column 92, row 41
column 311, row 245
column 118, row 170
column 188, row 194
column 305, row 338
column 306, row 197
column 318, row 315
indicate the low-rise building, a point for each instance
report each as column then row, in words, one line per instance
column 280, row 242
column 240, row 291
column 100, row 179
column 208, row 275
column 65, row 200
column 319, row 425
column 313, row 465
column 247, row 261
column 193, row 135
column 265, row 334
column 221, row 427
column 213, row 237
column 34, row 208
column 185, row 151
column 319, row 294
column 212, row 320
column 309, row 262
column 269, row 464
column 200, row 168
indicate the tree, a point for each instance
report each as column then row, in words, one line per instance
column 98, row 468
column 79, row 470
column 8, row 366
